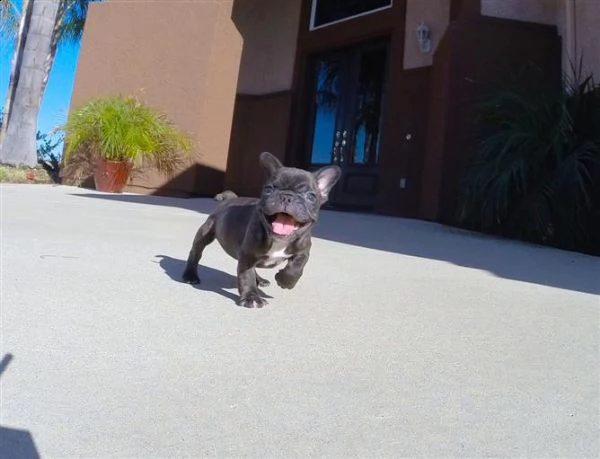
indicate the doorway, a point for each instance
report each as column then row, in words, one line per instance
column 347, row 96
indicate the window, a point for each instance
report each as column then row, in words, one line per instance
column 327, row 12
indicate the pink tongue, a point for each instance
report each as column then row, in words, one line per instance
column 284, row 225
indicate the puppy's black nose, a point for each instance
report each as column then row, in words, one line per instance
column 286, row 198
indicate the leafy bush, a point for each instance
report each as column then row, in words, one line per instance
column 535, row 171
column 47, row 157
column 124, row 129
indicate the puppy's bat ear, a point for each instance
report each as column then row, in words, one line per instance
column 326, row 178
column 269, row 163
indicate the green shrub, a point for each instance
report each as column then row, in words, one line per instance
column 125, row 129
column 535, row 171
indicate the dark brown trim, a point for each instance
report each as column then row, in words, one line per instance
column 264, row 96
column 260, row 123
column 297, row 90
column 407, row 96
column 461, row 7
column 470, row 59
column 518, row 25
column 350, row 32
column 388, row 24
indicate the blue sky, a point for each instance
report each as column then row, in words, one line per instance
column 57, row 97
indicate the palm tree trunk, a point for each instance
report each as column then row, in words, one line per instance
column 19, row 142
column 54, row 43
column 15, row 66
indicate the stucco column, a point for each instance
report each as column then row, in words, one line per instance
column 183, row 59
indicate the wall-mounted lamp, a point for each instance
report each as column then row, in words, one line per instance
column 424, row 37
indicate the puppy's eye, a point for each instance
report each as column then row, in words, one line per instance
column 311, row 197
column 268, row 189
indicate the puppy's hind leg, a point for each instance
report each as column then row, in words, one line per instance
column 204, row 236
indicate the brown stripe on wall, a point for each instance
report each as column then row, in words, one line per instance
column 477, row 53
column 403, row 150
column 260, row 123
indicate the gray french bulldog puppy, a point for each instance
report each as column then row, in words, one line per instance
column 267, row 231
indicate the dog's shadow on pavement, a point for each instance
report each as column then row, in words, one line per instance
column 211, row 280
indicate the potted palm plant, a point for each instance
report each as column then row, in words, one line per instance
column 114, row 134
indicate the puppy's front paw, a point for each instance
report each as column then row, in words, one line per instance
column 252, row 300
column 285, row 279
column 190, row 276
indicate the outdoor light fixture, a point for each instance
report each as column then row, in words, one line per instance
column 424, row 37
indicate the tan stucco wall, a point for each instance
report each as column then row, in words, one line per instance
column 436, row 14
column 540, row 11
column 587, row 13
column 587, row 20
column 269, row 29
column 182, row 57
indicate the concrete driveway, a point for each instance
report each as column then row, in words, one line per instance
column 403, row 339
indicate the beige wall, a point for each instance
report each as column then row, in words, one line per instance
column 587, row 40
column 181, row 57
column 436, row 14
column 541, row 11
column 269, row 29
column 587, row 28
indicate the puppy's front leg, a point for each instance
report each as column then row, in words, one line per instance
column 247, row 283
column 289, row 276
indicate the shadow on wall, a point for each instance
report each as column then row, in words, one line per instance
column 503, row 258
column 263, row 102
column 15, row 443
column 195, row 181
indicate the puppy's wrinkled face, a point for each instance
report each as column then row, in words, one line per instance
column 291, row 198
column 290, row 201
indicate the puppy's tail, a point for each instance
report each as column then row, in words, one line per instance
column 227, row 194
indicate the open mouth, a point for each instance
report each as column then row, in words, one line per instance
column 283, row 224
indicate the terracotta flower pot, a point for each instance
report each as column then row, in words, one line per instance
column 111, row 176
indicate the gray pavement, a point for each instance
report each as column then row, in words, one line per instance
column 403, row 339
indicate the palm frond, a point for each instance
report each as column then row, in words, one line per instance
column 10, row 17
column 72, row 22
column 533, row 174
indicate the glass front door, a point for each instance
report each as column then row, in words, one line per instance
column 348, row 96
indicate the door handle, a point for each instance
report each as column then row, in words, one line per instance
column 343, row 145
column 338, row 146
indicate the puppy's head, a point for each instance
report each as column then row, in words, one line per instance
column 291, row 198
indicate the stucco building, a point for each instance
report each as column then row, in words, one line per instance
column 381, row 87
